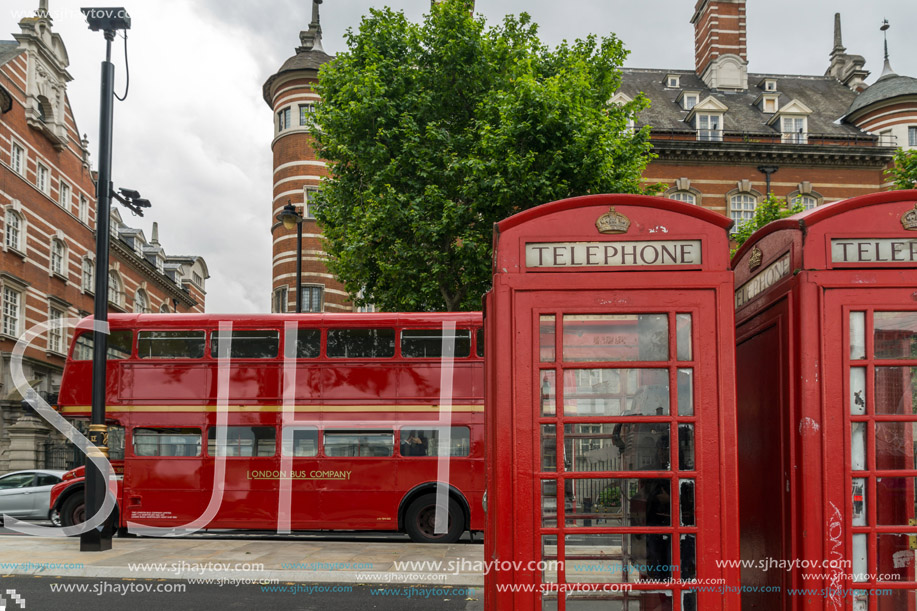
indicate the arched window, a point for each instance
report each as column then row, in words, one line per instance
column 114, row 288
column 141, row 302
column 808, row 202
column 13, row 231
column 164, row 308
column 684, row 196
column 58, row 257
column 742, row 208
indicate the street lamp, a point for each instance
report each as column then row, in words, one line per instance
column 109, row 20
column 290, row 217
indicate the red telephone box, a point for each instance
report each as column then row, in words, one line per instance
column 610, row 409
column 826, row 315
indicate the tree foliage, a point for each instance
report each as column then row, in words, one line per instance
column 434, row 131
column 769, row 210
column 904, row 173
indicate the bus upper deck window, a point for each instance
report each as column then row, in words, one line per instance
column 306, row 345
column 119, row 345
column 361, row 343
column 170, row 344
column 429, row 343
column 480, row 348
column 261, row 344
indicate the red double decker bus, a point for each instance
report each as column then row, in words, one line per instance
column 341, row 422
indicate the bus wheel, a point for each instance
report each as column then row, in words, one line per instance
column 420, row 520
column 73, row 510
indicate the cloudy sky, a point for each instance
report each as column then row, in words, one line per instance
column 194, row 134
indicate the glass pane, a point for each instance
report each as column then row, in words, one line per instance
column 857, row 391
column 858, row 497
column 617, row 502
column 895, row 447
column 686, row 500
column 688, row 557
column 860, row 571
column 549, row 503
column 896, row 501
column 632, row 337
column 428, row 343
column 170, row 344
column 683, row 336
column 857, row 335
column 895, row 600
column 858, row 446
column 261, row 344
column 548, row 447
column 896, row 389
column 548, row 393
column 616, row 392
column 895, row 556
column 427, row 442
column 547, row 330
column 479, row 349
column 308, row 345
column 300, row 441
column 686, row 447
column 620, row 446
column 617, row 558
column 689, row 600
column 243, row 441
column 549, row 556
column 119, row 346
column 895, row 335
column 361, row 343
column 635, row 600
column 167, row 442
column 359, row 443
column 685, row 392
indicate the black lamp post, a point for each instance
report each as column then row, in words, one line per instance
column 109, row 20
column 291, row 217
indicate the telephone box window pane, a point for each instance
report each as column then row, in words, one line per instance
column 170, row 344
column 549, row 503
column 894, row 600
column 548, row 393
column 858, row 498
column 857, row 335
column 548, row 447
column 858, row 446
column 616, row 392
column 428, row 343
column 895, row 447
column 859, row 564
column 895, row 555
column 547, row 336
column 689, row 600
column 621, row 446
column 300, row 441
column 617, row 558
column 896, row 501
column 683, row 336
column 895, row 335
column 583, row 600
column 308, row 344
column 248, row 344
column 688, row 557
column 895, row 391
column 612, row 337
column 685, row 392
column 618, row 502
column 857, row 391
column 686, row 447
column 359, row 443
column 549, row 555
column 686, row 500
column 243, row 441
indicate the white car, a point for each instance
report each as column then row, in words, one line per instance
column 26, row 495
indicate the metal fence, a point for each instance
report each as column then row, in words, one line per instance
column 63, row 456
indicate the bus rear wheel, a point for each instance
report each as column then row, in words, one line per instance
column 420, row 521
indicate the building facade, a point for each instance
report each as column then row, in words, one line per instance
column 47, row 227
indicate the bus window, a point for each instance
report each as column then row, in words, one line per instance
column 425, row 442
column 170, row 344
column 308, row 344
column 300, row 441
column 428, row 343
column 359, row 443
column 243, row 441
column 115, row 442
column 167, row 442
column 361, row 343
column 480, row 342
column 119, row 346
column 248, row 344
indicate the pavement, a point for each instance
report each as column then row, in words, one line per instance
column 356, row 559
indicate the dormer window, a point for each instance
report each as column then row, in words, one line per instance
column 792, row 121
column 709, row 127
column 688, row 99
column 768, row 103
column 672, row 81
column 770, row 84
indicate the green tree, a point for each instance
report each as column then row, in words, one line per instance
column 769, row 210
column 434, row 131
column 904, row 172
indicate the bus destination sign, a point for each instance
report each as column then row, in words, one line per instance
column 612, row 254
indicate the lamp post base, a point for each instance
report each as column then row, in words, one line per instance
column 96, row 540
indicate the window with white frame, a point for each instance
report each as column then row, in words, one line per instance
column 58, row 257
column 84, row 209
column 283, row 119
column 42, row 178
column 709, row 127
column 306, row 115
column 65, row 196
column 742, row 208
column 309, row 196
column 17, row 161
column 312, row 298
column 12, row 312
column 690, row 101
column 912, row 135
column 114, row 288
column 13, row 230
column 794, row 129
column 808, row 202
column 672, row 81
column 88, row 275
column 55, row 330
column 141, row 302
column 684, row 196
column 770, row 85
column 196, row 279
column 279, row 304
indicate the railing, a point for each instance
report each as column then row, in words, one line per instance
column 810, row 138
column 63, row 456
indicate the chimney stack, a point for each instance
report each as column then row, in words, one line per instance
column 720, row 54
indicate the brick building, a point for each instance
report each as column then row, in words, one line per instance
column 47, row 223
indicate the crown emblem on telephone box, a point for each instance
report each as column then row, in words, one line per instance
column 612, row 222
column 909, row 219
